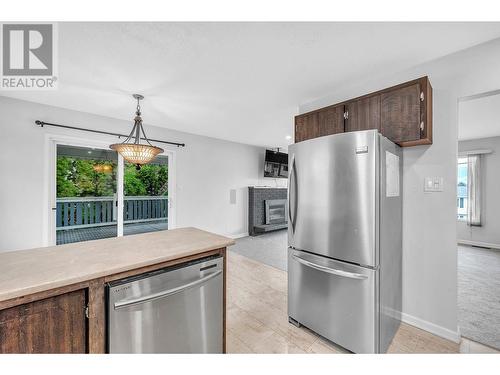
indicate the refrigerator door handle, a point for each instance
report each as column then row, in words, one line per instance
column 332, row 271
column 293, row 173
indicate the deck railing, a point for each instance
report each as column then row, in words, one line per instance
column 86, row 212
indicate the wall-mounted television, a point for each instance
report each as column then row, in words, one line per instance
column 276, row 164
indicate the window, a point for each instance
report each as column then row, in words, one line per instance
column 462, row 189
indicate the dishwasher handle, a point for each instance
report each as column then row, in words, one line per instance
column 164, row 293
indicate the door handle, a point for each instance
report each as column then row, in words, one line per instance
column 164, row 293
column 329, row 270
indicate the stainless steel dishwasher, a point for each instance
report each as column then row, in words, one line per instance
column 174, row 310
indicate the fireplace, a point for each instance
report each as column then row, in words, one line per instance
column 267, row 209
column 276, row 211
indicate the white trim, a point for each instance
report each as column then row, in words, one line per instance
column 239, row 235
column 479, row 243
column 119, row 196
column 172, row 192
column 473, row 152
column 432, row 328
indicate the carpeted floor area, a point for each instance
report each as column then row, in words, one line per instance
column 269, row 248
column 479, row 294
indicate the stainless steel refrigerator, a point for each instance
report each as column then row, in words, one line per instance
column 344, row 238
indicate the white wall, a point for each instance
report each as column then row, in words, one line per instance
column 489, row 231
column 207, row 169
column 429, row 219
column 479, row 117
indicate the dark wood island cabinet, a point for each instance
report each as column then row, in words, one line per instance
column 51, row 325
column 60, row 307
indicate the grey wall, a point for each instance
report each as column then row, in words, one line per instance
column 489, row 232
column 429, row 219
column 206, row 170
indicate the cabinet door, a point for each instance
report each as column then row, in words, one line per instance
column 331, row 120
column 52, row 325
column 306, row 127
column 400, row 113
column 363, row 114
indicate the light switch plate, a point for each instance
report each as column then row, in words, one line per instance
column 433, row 184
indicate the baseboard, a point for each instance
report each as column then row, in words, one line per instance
column 431, row 327
column 239, row 235
column 478, row 243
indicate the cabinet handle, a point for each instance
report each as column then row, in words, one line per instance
column 422, row 96
column 422, row 126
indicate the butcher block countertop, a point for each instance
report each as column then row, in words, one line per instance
column 31, row 271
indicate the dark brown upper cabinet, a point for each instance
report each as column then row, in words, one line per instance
column 306, row 127
column 363, row 114
column 402, row 113
column 331, row 120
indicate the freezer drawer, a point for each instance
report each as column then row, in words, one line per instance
column 335, row 299
column 175, row 310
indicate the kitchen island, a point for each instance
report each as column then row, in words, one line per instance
column 52, row 299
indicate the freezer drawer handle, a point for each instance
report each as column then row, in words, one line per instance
column 164, row 293
column 332, row 271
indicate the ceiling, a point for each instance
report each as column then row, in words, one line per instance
column 479, row 117
column 235, row 81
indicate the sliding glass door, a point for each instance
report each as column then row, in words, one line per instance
column 86, row 199
column 145, row 205
column 95, row 198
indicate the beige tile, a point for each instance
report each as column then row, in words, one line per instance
column 410, row 339
column 234, row 345
column 247, row 329
column 277, row 344
column 323, row 346
column 258, row 319
column 405, row 340
column 471, row 347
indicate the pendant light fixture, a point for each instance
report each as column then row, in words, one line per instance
column 131, row 148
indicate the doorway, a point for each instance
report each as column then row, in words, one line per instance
column 94, row 194
column 478, row 222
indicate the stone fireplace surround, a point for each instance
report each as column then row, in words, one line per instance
column 257, row 195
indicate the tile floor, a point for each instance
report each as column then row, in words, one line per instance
column 257, row 320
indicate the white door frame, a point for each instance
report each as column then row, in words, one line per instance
column 49, row 220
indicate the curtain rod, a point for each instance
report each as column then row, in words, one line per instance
column 42, row 124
